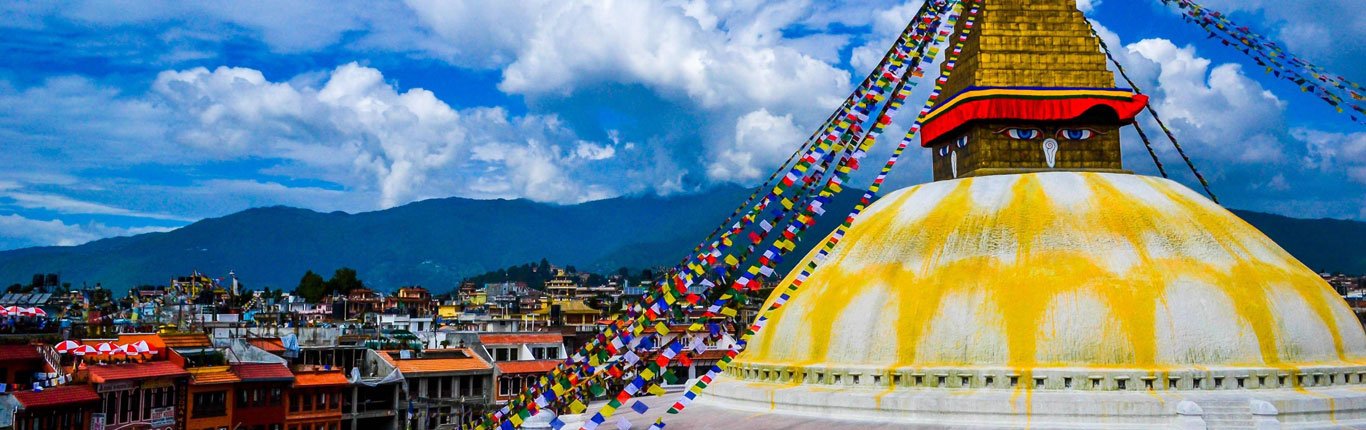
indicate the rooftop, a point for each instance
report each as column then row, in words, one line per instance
column 19, row 353
column 319, row 378
column 212, row 375
column 57, row 396
column 119, row 372
column 263, row 372
column 269, row 344
column 520, row 338
column 437, row 361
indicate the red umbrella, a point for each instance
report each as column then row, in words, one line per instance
column 144, row 348
column 84, row 350
column 105, row 348
column 129, row 349
column 13, row 309
column 39, row 312
column 66, row 346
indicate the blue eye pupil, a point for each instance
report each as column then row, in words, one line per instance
column 1075, row 134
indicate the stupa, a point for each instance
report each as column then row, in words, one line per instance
column 1038, row 284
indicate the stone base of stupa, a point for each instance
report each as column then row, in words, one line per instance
column 758, row 405
column 733, row 404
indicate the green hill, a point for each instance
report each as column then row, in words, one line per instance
column 438, row 242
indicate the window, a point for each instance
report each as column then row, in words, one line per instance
column 211, row 404
column 477, row 387
column 545, row 352
column 276, row 395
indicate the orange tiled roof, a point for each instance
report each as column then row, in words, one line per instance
column 269, row 344
column 186, row 340
column 518, row 338
column 262, row 372
column 537, row 366
column 319, row 379
column 417, row 366
column 19, row 353
column 118, row 372
column 57, row 396
column 212, row 375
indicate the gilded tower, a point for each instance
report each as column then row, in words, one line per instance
column 1031, row 92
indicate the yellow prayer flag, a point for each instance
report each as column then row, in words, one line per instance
column 576, row 406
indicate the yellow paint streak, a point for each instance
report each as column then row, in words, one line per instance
column 954, row 247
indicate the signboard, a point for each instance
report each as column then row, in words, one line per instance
column 97, row 421
column 156, row 383
column 162, row 418
column 117, row 386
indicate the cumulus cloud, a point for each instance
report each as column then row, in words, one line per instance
column 358, row 130
column 761, row 142
column 718, row 60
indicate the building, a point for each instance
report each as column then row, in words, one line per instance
column 140, row 395
column 362, row 301
column 315, row 400
column 413, row 301
column 18, row 364
column 562, row 285
column 445, row 387
column 211, row 394
column 259, row 403
column 62, row 407
column 519, row 358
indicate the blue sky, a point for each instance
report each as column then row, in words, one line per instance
column 124, row 117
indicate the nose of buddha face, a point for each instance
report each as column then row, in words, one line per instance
column 1050, row 151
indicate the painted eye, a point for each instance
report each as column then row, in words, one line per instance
column 1021, row 133
column 962, row 141
column 1076, row 133
column 943, row 151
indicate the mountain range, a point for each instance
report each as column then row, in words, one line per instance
column 438, row 242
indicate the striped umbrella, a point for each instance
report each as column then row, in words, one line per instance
column 13, row 310
column 66, row 346
column 144, row 348
column 85, row 350
column 129, row 349
column 39, row 312
column 105, row 348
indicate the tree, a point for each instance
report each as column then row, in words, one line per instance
column 343, row 281
column 312, row 287
column 14, row 288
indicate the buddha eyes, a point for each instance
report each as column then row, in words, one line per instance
column 1027, row 133
column 1075, row 133
column 1021, row 133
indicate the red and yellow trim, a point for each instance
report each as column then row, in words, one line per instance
column 1026, row 104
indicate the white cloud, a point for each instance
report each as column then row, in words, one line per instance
column 359, row 131
column 18, row 231
column 67, row 205
column 761, row 142
column 1335, row 153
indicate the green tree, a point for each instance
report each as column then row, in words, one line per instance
column 312, row 287
column 343, row 281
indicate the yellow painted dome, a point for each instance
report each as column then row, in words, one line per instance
column 1057, row 270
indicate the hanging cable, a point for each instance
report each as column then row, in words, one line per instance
column 1153, row 112
column 1149, row 145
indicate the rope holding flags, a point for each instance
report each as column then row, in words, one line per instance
column 1342, row 94
column 584, row 371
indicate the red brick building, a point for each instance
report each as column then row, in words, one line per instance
column 260, row 398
